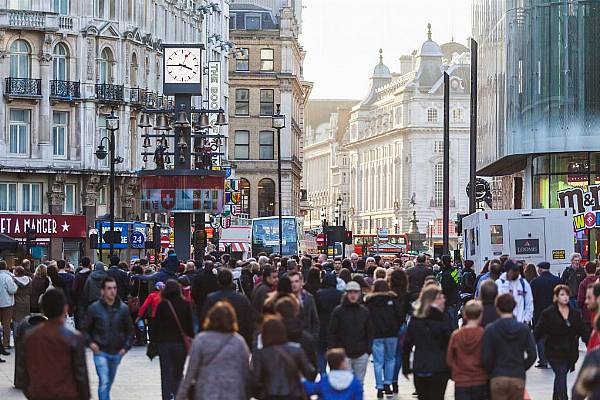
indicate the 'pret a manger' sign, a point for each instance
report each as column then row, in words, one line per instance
column 585, row 205
column 48, row 226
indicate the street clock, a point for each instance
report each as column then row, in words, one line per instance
column 182, row 69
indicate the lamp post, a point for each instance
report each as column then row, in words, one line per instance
column 112, row 125
column 338, row 210
column 278, row 123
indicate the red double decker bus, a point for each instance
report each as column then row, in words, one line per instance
column 364, row 241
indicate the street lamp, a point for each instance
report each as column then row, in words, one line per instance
column 338, row 205
column 278, row 123
column 112, row 125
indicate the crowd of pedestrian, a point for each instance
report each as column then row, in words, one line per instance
column 275, row 327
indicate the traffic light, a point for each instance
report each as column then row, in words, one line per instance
column 348, row 237
column 458, row 223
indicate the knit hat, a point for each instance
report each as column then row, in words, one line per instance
column 352, row 287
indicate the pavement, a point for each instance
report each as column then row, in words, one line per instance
column 139, row 377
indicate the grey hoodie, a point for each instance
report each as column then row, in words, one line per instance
column 340, row 379
column 91, row 290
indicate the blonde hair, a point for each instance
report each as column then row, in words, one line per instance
column 380, row 273
column 409, row 264
column 41, row 271
column 427, row 296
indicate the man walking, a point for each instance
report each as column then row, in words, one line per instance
column 513, row 283
column 120, row 276
column 270, row 278
column 55, row 366
column 351, row 328
column 109, row 332
column 450, row 281
column 308, row 308
column 416, row 277
column 590, row 279
column 508, row 352
column 572, row 277
column 8, row 288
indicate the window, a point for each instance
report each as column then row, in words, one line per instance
column 242, row 102
column 69, row 206
column 266, row 60
column 232, row 21
column 252, row 22
column 267, row 100
column 20, row 4
column 266, row 198
column 30, row 197
column 102, row 196
column 432, row 115
column 266, row 146
column 20, row 59
column 59, row 63
column 61, row 6
column 438, row 184
column 105, row 66
column 8, row 197
column 103, row 132
column 59, row 133
column 106, row 8
column 457, row 115
column 438, row 146
column 242, row 61
column 19, row 131
column 245, row 196
column 242, row 145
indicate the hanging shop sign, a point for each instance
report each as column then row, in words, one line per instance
column 585, row 205
column 182, row 194
column 43, row 226
column 214, row 85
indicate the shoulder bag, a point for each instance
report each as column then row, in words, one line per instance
column 187, row 341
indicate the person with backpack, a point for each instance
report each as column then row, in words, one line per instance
column 450, row 282
column 513, row 283
column 93, row 285
column 468, row 278
column 339, row 384
column 572, row 277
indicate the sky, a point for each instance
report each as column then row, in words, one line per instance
column 342, row 38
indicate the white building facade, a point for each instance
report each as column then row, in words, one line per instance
column 395, row 143
column 67, row 64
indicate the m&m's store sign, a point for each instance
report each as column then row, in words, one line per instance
column 585, row 205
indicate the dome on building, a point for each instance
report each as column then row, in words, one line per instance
column 381, row 70
column 429, row 47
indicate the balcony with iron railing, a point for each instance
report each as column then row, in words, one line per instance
column 33, row 20
column 65, row 90
column 137, row 97
column 23, row 87
column 108, row 93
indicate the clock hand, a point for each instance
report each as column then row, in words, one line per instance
column 185, row 66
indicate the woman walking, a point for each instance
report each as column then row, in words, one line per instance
column 278, row 366
column 172, row 326
column 387, row 316
column 562, row 325
column 218, row 367
column 38, row 287
column 22, row 297
column 428, row 332
column 398, row 281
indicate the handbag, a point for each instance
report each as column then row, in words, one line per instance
column 133, row 302
column 187, row 341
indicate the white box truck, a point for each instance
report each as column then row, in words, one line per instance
column 530, row 235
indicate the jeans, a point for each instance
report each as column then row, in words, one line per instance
column 431, row 387
column 358, row 366
column 540, row 348
column 478, row 392
column 172, row 359
column 106, row 368
column 561, row 370
column 453, row 312
column 398, row 361
column 384, row 360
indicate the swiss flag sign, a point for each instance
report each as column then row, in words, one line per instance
column 167, row 199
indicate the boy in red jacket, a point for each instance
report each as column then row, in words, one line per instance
column 464, row 355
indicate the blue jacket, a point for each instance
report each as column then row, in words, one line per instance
column 337, row 385
column 542, row 289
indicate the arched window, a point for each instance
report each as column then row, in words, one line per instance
column 245, row 194
column 60, row 63
column 105, row 66
column 133, row 70
column 266, row 198
column 432, row 115
column 20, row 55
column 438, row 184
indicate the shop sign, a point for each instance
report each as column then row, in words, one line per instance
column 45, row 226
column 182, row 194
column 585, row 205
column 527, row 246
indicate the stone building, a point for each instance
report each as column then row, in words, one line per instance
column 396, row 142
column 266, row 71
column 66, row 64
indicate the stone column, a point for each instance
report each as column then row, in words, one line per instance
column 56, row 200
column 44, row 127
column 89, row 200
column 129, row 186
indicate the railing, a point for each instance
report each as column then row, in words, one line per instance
column 65, row 89
column 23, row 87
column 29, row 19
column 65, row 22
column 137, row 97
column 109, row 93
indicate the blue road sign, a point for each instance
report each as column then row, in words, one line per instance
column 137, row 240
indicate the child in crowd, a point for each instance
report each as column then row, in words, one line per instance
column 339, row 384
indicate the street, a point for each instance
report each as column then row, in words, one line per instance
column 139, row 377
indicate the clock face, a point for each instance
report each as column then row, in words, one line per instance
column 182, row 65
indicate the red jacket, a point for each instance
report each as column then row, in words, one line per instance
column 152, row 300
column 594, row 341
column 588, row 280
column 464, row 357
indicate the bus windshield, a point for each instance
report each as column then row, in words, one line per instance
column 265, row 236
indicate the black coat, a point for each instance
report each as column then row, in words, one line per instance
column 562, row 338
column 110, row 327
column 122, row 279
column 309, row 315
column 387, row 314
column 450, row 282
column 429, row 337
column 542, row 289
column 327, row 299
column 242, row 307
column 297, row 334
column 490, row 314
column 278, row 375
column 351, row 328
column 416, row 279
column 205, row 282
column 164, row 326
